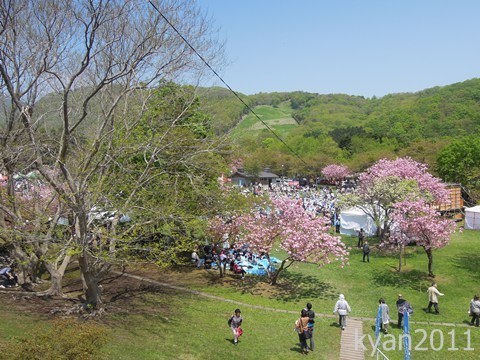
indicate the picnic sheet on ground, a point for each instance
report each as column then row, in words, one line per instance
column 257, row 268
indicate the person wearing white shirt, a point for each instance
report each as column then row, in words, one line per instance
column 433, row 294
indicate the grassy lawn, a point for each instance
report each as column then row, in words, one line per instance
column 150, row 322
column 278, row 118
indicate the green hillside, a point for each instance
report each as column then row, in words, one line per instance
column 278, row 118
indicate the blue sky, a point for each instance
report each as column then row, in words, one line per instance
column 356, row 47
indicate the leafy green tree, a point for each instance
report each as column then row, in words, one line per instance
column 459, row 162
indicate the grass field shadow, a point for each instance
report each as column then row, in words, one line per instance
column 407, row 279
column 469, row 262
column 297, row 286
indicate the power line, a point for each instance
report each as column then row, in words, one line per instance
column 225, row 83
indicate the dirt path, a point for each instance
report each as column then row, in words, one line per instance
column 218, row 298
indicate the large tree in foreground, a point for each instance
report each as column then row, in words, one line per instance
column 301, row 236
column 75, row 73
column 419, row 223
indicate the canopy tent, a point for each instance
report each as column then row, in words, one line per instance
column 472, row 218
column 352, row 220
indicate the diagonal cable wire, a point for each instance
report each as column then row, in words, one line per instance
column 225, row 83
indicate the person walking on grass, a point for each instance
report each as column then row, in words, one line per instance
column 385, row 315
column 235, row 323
column 342, row 308
column 311, row 323
column 301, row 327
column 433, row 294
column 475, row 311
column 402, row 305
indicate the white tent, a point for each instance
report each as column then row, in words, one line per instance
column 472, row 218
column 352, row 220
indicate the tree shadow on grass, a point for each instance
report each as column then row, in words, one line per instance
column 297, row 286
column 291, row 286
column 469, row 262
column 407, row 279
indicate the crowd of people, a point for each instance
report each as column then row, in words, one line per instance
column 238, row 260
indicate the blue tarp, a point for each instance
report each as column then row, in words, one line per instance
column 260, row 266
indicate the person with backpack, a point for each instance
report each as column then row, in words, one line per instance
column 402, row 305
column 311, row 323
column 342, row 308
column 235, row 323
column 301, row 327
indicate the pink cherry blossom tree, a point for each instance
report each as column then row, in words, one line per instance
column 432, row 188
column 418, row 222
column 303, row 237
column 389, row 182
column 335, row 172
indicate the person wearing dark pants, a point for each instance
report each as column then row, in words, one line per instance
column 311, row 323
column 402, row 305
column 366, row 251
column 301, row 326
column 342, row 308
column 361, row 237
column 433, row 294
column 8, row 278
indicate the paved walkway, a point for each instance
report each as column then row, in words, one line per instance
column 349, row 348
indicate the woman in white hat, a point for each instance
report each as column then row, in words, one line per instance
column 342, row 308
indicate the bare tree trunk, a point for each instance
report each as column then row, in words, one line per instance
column 28, row 262
column 222, row 267
column 430, row 262
column 273, row 275
column 400, row 258
column 56, row 277
column 93, row 295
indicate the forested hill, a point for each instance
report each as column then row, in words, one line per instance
column 452, row 110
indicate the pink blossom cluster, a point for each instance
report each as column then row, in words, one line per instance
column 303, row 237
column 408, row 169
column 222, row 228
column 419, row 222
column 335, row 172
